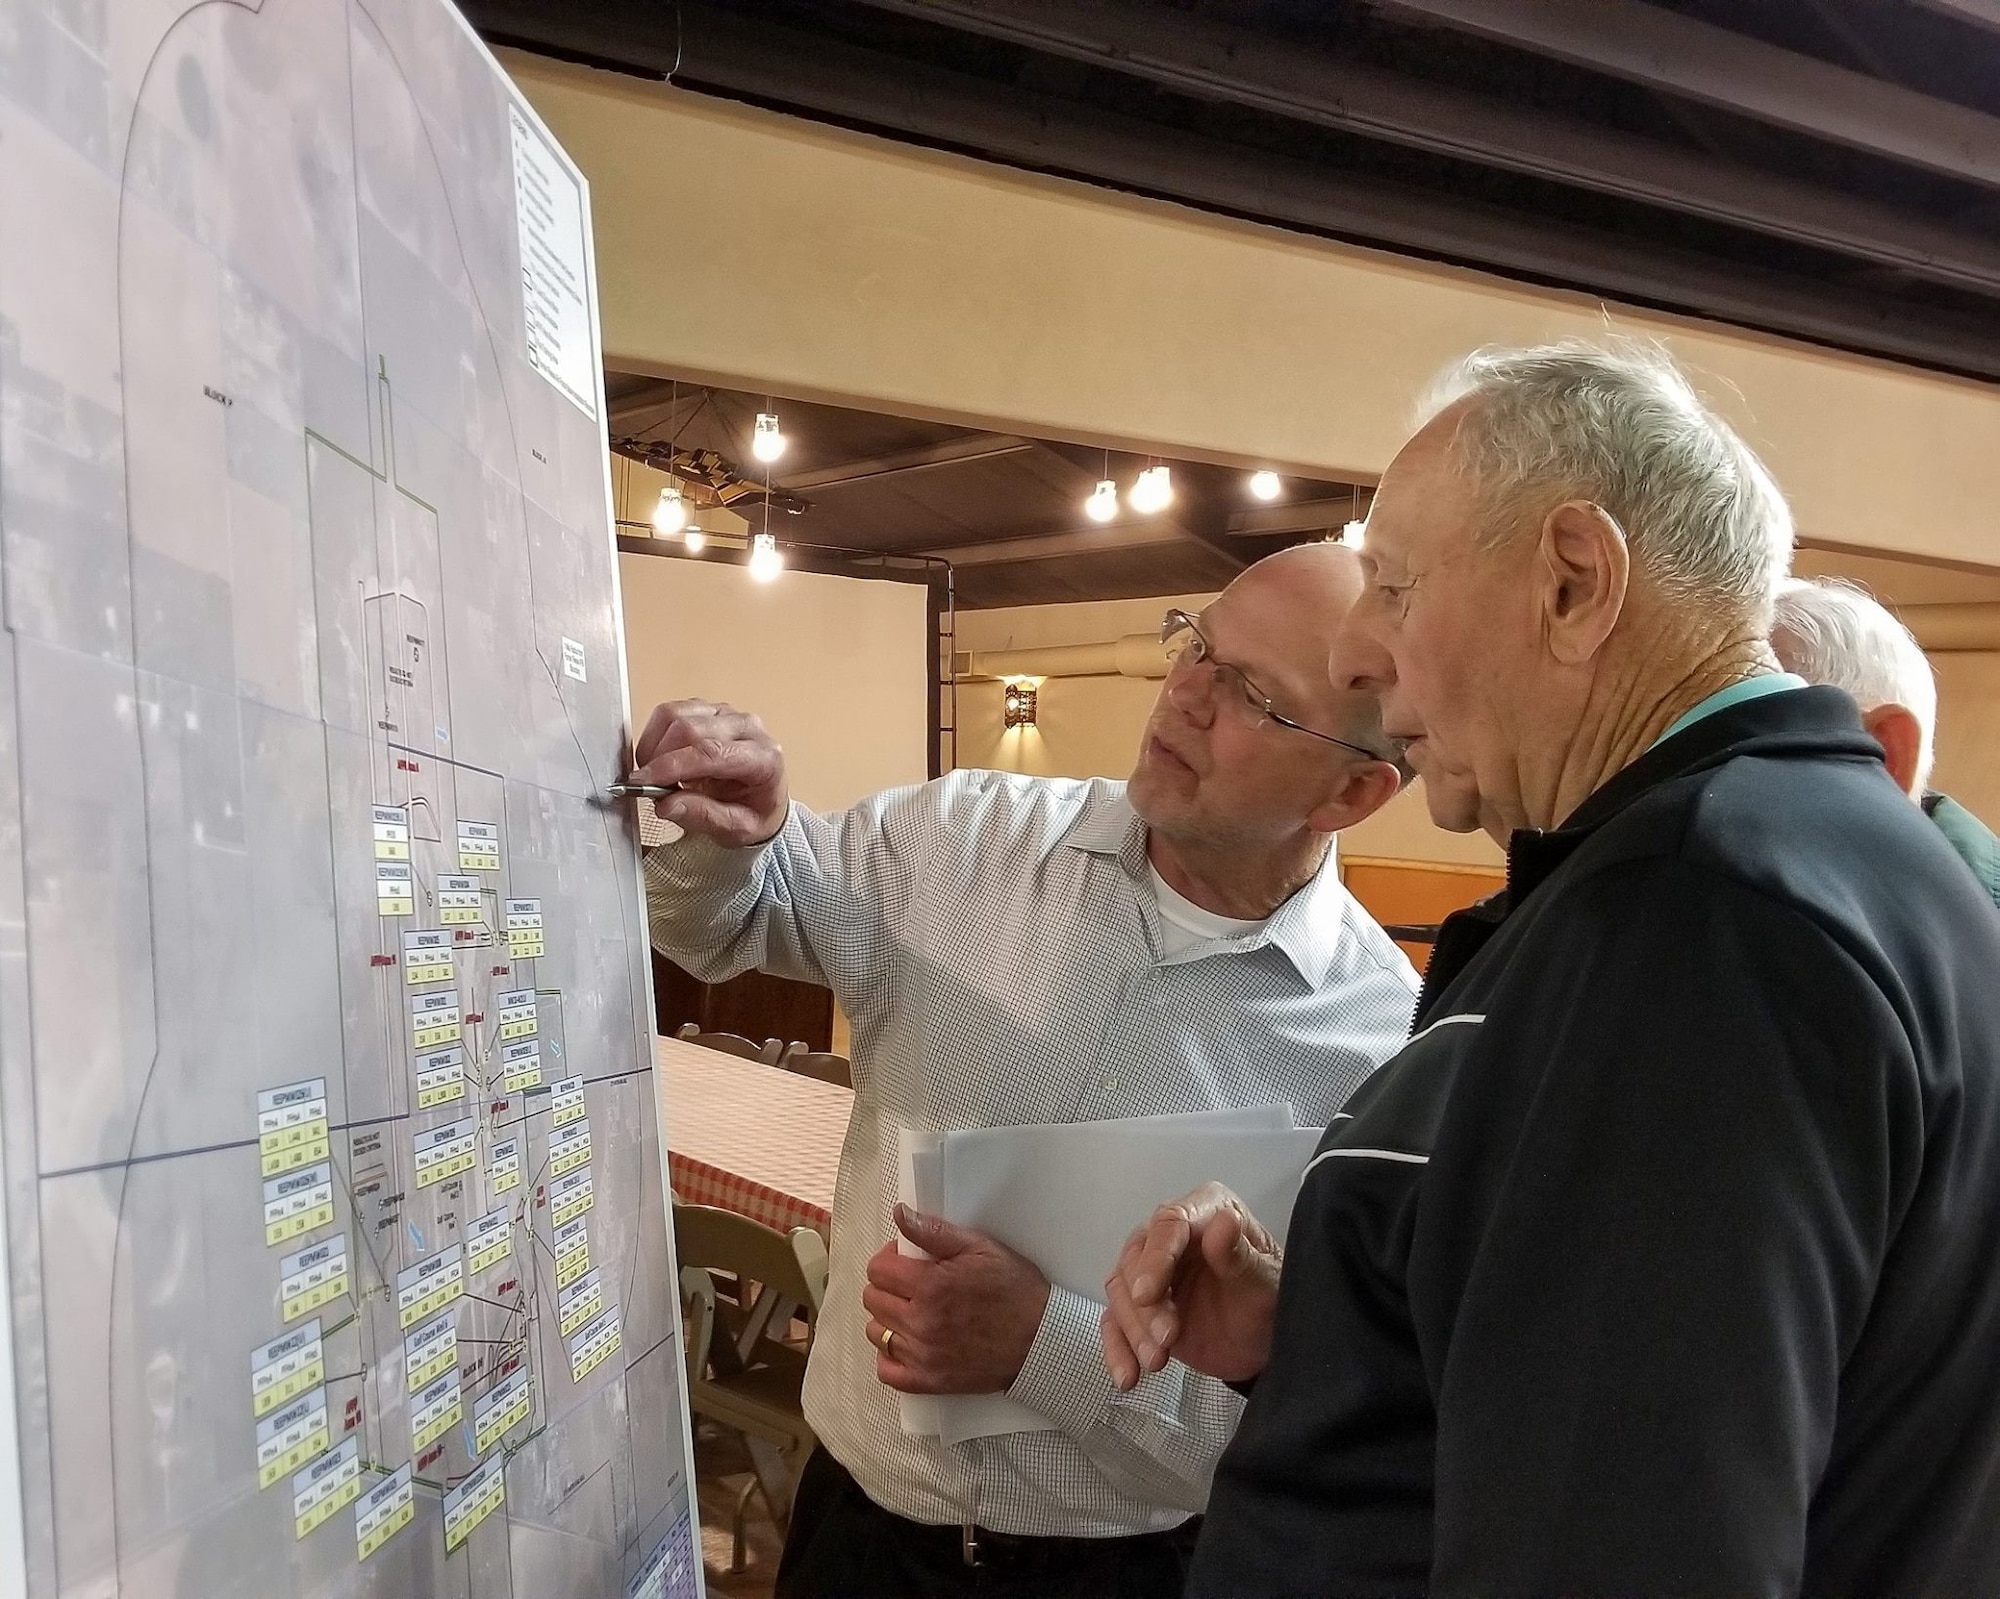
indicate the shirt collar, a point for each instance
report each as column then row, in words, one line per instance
column 1306, row 929
column 1309, row 926
column 1750, row 688
column 1109, row 826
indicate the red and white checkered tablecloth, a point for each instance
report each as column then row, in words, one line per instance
column 753, row 1139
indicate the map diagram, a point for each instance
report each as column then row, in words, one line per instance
column 335, row 1238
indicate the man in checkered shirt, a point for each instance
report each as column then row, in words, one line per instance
column 1014, row 950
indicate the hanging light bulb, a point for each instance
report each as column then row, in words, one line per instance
column 1266, row 485
column 671, row 514
column 695, row 540
column 768, row 442
column 1153, row 492
column 765, row 561
column 1102, row 506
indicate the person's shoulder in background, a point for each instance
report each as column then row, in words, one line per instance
column 1973, row 840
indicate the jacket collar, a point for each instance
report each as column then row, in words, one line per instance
column 1306, row 929
column 1808, row 722
column 1817, row 722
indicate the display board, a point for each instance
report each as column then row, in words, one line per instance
column 335, row 1233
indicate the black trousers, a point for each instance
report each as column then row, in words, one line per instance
column 845, row 1546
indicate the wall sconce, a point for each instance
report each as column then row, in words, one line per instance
column 1020, row 705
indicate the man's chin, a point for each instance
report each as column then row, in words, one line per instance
column 1452, row 808
column 1454, row 820
column 1155, row 794
column 1142, row 790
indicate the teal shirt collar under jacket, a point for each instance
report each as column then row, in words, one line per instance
column 1750, row 688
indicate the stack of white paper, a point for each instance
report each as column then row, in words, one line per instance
column 1068, row 1195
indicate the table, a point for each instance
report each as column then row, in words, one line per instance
column 754, row 1139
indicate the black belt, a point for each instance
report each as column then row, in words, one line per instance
column 981, row 1546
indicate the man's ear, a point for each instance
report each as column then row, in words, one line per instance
column 1896, row 729
column 1365, row 788
column 1584, row 570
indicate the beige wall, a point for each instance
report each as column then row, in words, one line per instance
column 1085, row 726
column 1968, row 737
column 1968, row 742
column 859, row 270
column 1402, row 831
column 834, row 665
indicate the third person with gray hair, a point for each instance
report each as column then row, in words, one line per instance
column 1831, row 631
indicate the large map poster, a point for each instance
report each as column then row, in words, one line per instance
column 335, row 1240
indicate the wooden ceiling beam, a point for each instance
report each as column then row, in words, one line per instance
column 1304, row 516
column 1057, row 546
column 1697, row 60
column 645, row 409
column 946, row 452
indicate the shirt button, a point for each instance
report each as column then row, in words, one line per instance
column 1111, row 1085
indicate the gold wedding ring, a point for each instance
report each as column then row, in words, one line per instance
column 888, row 1337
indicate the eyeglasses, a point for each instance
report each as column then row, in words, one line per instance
column 1188, row 646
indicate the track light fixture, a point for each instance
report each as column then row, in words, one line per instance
column 1154, row 491
column 671, row 514
column 768, row 442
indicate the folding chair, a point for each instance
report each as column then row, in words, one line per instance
column 752, row 1384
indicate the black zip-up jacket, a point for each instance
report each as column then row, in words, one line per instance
column 1665, row 1258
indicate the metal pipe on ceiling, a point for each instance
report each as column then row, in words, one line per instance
column 1133, row 655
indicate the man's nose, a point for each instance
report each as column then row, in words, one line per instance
column 1356, row 663
column 1191, row 692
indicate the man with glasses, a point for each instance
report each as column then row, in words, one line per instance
column 1015, row 950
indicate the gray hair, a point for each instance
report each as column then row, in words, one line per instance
column 1831, row 631
column 1621, row 427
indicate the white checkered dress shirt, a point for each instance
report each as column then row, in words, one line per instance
column 994, row 940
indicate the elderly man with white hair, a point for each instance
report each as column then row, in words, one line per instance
column 1661, row 1259
column 1830, row 631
